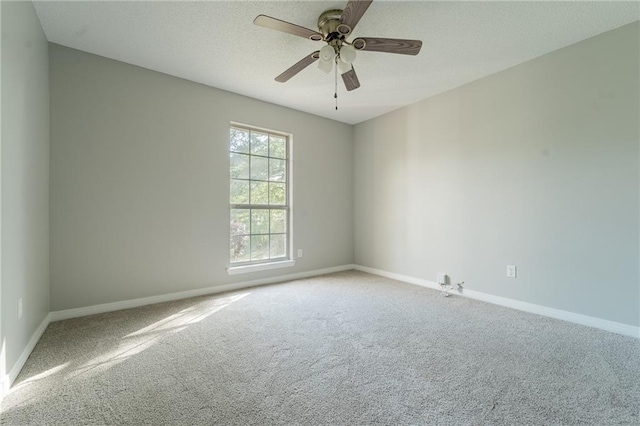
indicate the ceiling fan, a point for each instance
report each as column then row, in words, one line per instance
column 334, row 26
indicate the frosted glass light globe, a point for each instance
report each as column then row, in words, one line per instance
column 343, row 66
column 327, row 53
column 347, row 53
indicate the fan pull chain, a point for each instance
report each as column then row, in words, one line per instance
column 335, row 94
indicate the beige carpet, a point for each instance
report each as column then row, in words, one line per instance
column 346, row 348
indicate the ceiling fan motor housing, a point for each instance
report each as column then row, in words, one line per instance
column 330, row 26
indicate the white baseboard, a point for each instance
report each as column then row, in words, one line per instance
column 8, row 380
column 134, row 303
column 615, row 327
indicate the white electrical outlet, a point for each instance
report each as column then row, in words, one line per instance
column 299, row 252
column 442, row 278
column 511, row 271
column 20, row 308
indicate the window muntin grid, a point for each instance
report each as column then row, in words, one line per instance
column 259, row 196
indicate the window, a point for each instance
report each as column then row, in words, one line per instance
column 259, row 196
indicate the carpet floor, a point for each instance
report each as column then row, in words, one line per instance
column 345, row 348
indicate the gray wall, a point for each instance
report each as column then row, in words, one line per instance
column 25, row 176
column 139, row 182
column 536, row 166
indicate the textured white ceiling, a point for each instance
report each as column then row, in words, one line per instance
column 216, row 43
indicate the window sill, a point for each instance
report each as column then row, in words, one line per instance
column 235, row 270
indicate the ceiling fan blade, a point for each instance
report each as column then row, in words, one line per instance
column 389, row 45
column 353, row 12
column 286, row 27
column 299, row 66
column 350, row 79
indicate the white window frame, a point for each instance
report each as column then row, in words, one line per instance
column 266, row 264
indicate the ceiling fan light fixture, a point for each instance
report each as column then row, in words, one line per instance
column 327, row 53
column 347, row 53
column 327, row 57
column 325, row 66
column 343, row 66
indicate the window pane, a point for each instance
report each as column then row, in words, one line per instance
column 239, row 166
column 239, row 191
column 239, row 141
column 259, row 168
column 277, row 194
column 259, row 247
column 277, row 169
column 259, row 221
column 259, row 143
column 259, row 193
column 240, row 248
column 278, row 223
column 258, row 178
column 277, row 147
column 277, row 246
column 240, row 222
